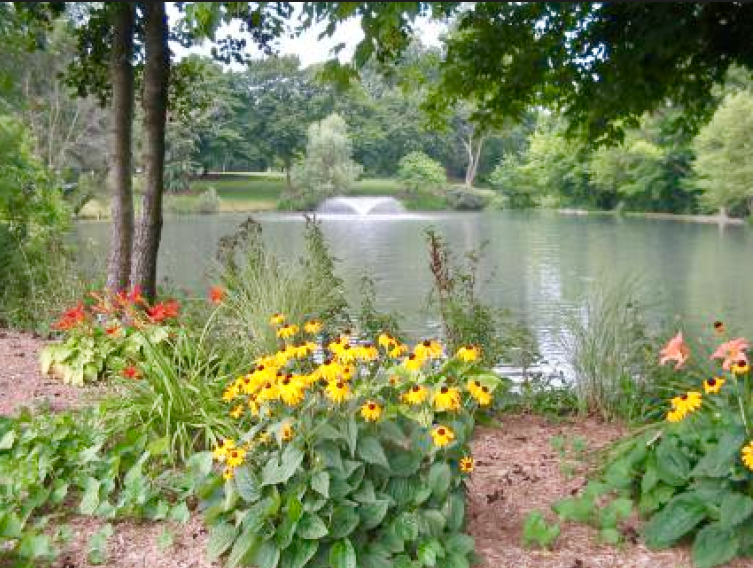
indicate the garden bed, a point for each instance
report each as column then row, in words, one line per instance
column 518, row 469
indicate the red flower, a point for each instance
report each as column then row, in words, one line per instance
column 114, row 329
column 162, row 311
column 131, row 372
column 216, row 294
column 132, row 297
column 71, row 318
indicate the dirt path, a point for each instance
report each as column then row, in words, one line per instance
column 517, row 470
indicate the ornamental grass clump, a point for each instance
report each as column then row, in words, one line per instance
column 690, row 475
column 350, row 453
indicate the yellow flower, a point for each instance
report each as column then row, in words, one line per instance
column 416, row 395
column 482, row 395
column 371, row 411
column 230, row 393
column 687, row 403
column 277, row 319
column 442, row 436
column 469, row 353
column 747, row 453
column 237, row 412
column 394, row 380
column 291, row 391
column 413, row 362
column 386, row 340
column 287, row 330
column 675, row 415
column 467, row 464
column 447, row 399
column 329, row 370
column 713, row 385
column 398, row 350
column 305, row 349
column 473, row 386
column 346, row 354
column 429, row 348
column 220, row 452
column 265, row 438
column 228, row 474
column 741, row 367
column 235, row 457
column 312, row 326
column 253, row 405
column 286, row 431
column 268, row 392
column 337, row 391
column 347, row 372
column 367, row 352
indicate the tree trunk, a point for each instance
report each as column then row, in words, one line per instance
column 119, row 182
column 154, row 102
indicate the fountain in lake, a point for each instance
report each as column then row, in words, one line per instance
column 361, row 206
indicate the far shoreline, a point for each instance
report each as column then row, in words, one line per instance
column 708, row 219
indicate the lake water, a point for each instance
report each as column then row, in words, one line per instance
column 538, row 265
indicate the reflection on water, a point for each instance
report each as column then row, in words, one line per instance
column 537, row 264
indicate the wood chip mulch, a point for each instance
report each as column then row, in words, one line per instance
column 517, row 471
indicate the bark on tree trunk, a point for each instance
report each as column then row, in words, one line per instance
column 474, row 156
column 154, row 102
column 119, row 140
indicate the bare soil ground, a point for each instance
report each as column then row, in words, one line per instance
column 517, row 471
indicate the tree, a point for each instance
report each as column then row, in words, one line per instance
column 327, row 168
column 419, row 172
column 724, row 156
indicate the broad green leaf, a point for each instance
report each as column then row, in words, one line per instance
column 180, row 513
column 221, row 536
column 320, row 483
column 247, row 485
column 351, row 435
column 672, row 464
column 342, row 555
column 406, row 526
column 404, row 464
column 345, row 519
column 655, row 498
column 35, row 546
column 459, row 543
column 267, row 555
column 6, row 442
column 680, row 516
column 200, row 464
column 614, row 512
column 96, row 548
column 432, row 522
column 11, row 526
column 373, row 513
column 453, row 560
column 736, row 509
column 365, row 492
column 90, row 499
column 610, row 535
column 165, row 540
column 375, row 556
column 298, row 554
column 371, row 451
column 429, row 552
column 311, row 527
column 719, row 460
column 714, row 545
column 454, row 511
column 330, row 455
column 274, row 472
column 440, row 477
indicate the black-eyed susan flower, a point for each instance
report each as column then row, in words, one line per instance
column 371, row 411
column 265, row 437
column 291, row 391
column 312, row 326
column 237, row 411
column 675, row 415
column 467, row 464
column 447, row 399
column 337, row 391
column 483, row 395
column 428, row 349
column 468, row 353
column 329, row 370
column 687, row 403
column 386, row 340
column 442, row 436
column 414, row 362
column 277, row 319
column 417, row 394
column 393, row 380
column 713, row 385
column 228, row 473
column 268, row 392
column 286, row 431
column 747, row 455
column 473, row 386
column 220, row 452
column 367, row 352
column 287, row 330
column 740, row 367
column 230, row 393
column 398, row 350
column 348, row 371
column 235, row 457
column 719, row 327
column 253, row 405
column 346, row 354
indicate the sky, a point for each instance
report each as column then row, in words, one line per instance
column 308, row 47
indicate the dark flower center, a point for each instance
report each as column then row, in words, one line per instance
column 260, row 368
column 327, row 362
column 485, row 389
column 268, row 386
column 412, row 356
column 372, row 406
column 444, row 390
column 416, row 388
column 427, row 343
column 346, row 346
column 286, row 381
column 340, row 385
column 476, row 383
column 684, row 397
column 718, row 324
column 441, row 431
column 711, row 382
column 742, row 363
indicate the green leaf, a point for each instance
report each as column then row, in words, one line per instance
column 342, row 555
column 90, row 499
column 247, row 485
column 35, row 546
column 11, row 526
column 320, row 483
column 274, row 472
column 455, row 561
column 672, row 465
column 459, row 543
column 536, row 530
column 158, row 446
column 404, row 464
column 610, row 535
column 257, row 514
column 719, row 460
column 165, row 540
column 299, row 553
column 345, row 519
column 267, row 555
column 6, row 442
column 375, row 556
column 454, row 511
column 373, row 513
column 614, row 512
column 429, row 552
column 351, row 435
column 96, row 548
column 221, row 536
column 714, row 545
column 371, row 451
column 200, row 464
column 406, row 526
column 330, row 455
column 680, row 516
column 179, row 513
column 440, row 477
column 655, row 498
column 432, row 522
column 311, row 527
column 736, row 508
column 60, row 491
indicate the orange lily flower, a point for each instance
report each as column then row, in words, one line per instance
column 675, row 350
column 732, row 352
column 216, row 294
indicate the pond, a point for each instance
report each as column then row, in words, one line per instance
column 538, row 265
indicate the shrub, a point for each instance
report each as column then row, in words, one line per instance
column 207, row 202
column 418, row 172
column 358, row 460
column 464, row 199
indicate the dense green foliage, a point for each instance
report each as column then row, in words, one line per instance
column 418, row 171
